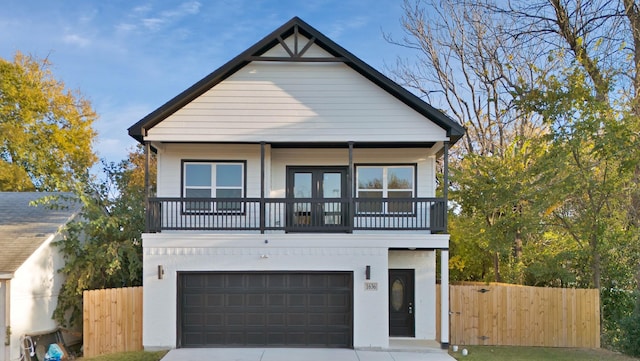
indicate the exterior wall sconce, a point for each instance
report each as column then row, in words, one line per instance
column 160, row 272
column 367, row 272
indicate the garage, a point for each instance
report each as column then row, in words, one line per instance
column 274, row 309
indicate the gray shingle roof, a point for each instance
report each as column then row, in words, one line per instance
column 23, row 228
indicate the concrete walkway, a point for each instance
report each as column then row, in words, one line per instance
column 304, row 354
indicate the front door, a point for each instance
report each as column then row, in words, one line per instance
column 316, row 196
column 401, row 303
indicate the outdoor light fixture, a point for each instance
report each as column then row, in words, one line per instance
column 367, row 272
column 160, row 272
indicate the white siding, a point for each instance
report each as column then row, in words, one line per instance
column 276, row 160
column 34, row 293
column 170, row 158
column 4, row 355
column 307, row 102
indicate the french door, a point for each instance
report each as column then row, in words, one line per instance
column 317, row 199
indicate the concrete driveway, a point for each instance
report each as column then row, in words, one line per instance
column 303, row 354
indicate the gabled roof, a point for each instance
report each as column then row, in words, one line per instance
column 24, row 228
column 254, row 53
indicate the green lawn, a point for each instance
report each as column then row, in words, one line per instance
column 128, row 356
column 500, row 353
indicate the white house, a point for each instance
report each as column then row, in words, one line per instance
column 29, row 261
column 296, row 204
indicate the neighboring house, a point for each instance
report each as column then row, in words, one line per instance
column 29, row 263
column 296, row 204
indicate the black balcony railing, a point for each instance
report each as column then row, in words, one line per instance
column 296, row 215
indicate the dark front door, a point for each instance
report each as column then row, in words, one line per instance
column 256, row 309
column 316, row 196
column 401, row 303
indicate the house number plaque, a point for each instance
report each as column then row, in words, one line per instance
column 371, row 286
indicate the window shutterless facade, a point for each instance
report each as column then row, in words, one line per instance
column 213, row 180
column 385, row 182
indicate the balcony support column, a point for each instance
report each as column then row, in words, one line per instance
column 147, row 185
column 444, row 298
column 262, row 182
column 350, row 187
column 445, row 185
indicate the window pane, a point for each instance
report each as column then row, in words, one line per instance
column 229, row 175
column 198, row 193
column 369, row 178
column 332, row 185
column 373, row 205
column 302, row 185
column 229, row 193
column 401, row 207
column 200, row 205
column 400, row 178
column 228, row 206
column 198, row 175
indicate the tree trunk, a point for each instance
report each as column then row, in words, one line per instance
column 517, row 253
column 496, row 267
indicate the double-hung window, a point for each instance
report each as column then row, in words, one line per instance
column 377, row 182
column 211, row 181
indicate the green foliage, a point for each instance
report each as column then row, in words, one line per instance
column 129, row 356
column 104, row 248
column 46, row 130
column 500, row 207
column 629, row 340
column 520, row 353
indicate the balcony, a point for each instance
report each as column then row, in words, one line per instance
column 296, row 214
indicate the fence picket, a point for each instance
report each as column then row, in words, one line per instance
column 524, row 316
column 112, row 321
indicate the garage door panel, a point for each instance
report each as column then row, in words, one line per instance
column 312, row 309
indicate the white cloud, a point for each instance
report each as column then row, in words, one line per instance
column 75, row 39
column 188, row 8
column 153, row 23
column 340, row 27
column 125, row 27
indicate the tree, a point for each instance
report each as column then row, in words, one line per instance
column 104, row 248
column 474, row 74
column 581, row 81
column 46, row 131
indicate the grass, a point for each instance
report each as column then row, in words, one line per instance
column 128, row 356
column 499, row 353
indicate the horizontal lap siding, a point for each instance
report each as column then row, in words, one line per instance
column 296, row 102
column 171, row 156
column 281, row 158
column 276, row 161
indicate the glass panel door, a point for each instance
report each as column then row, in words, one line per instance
column 332, row 188
column 309, row 188
column 302, row 189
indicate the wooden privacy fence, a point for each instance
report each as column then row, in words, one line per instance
column 481, row 314
column 112, row 320
column 500, row 314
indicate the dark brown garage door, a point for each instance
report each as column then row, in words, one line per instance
column 309, row 309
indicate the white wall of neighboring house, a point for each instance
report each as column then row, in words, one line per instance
column 34, row 293
column 4, row 355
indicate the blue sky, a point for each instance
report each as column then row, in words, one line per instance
column 130, row 57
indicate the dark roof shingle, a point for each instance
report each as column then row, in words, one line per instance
column 24, row 228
